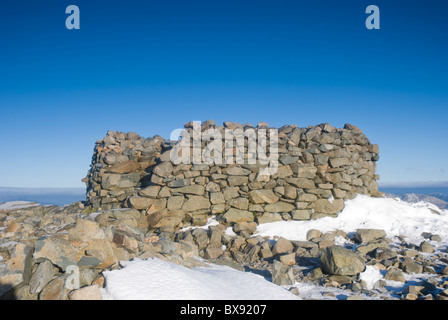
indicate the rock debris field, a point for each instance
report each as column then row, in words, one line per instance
column 406, row 259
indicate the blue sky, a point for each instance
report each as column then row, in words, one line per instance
column 151, row 66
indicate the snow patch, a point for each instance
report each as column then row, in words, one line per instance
column 154, row 279
column 371, row 275
column 13, row 205
column 394, row 216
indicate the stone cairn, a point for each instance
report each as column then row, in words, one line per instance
column 318, row 168
column 140, row 205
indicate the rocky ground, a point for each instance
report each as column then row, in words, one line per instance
column 40, row 246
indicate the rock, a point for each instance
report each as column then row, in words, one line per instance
column 326, row 207
column 305, row 170
column 86, row 293
column 140, row 203
column 113, row 159
column 266, row 253
column 236, row 215
column 426, row 247
column 200, row 237
column 192, row 189
column 179, row 183
column 353, row 128
column 85, row 231
column 125, row 167
column 282, row 246
column 288, row 259
column 355, row 297
column 302, row 183
column 369, row 247
column 21, row 260
column 164, row 169
column 42, row 276
column 55, row 289
column 313, row 233
column 233, row 125
column 56, row 249
column 341, row 280
column 382, row 253
column 217, row 198
column 279, row 207
column 443, row 295
column 237, row 180
column 268, row 217
column 249, row 227
column 175, row 202
column 88, row 262
column 213, row 252
column 409, row 253
column 150, row 192
column 294, row 291
column 125, row 241
column 9, row 280
column 13, row 226
column 110, row 180
column 215, row 238
column 195, row 203
column 170, row 219
column 301, row 214
column 340, row 261
column 395, row 275
column 262, row 196
column 367, row 235
column 338, row 162
column 417, row 290
column 102, row 250
column 410, row 266
column 286, row 160
column 282, row 275
column 208, row 124
column 237, row 171
column 239, row 203
column 154, row 218
column 230, row 193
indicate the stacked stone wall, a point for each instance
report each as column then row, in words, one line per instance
column 317, row 168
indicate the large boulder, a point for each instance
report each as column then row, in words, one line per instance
column 340, row 261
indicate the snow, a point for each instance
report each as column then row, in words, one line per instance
column 154, row 279
column 394, row 216
column 12, row 205
column 210, row 222
column 371, row 275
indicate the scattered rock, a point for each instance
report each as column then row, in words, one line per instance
column 395, row 275
column 368, row 235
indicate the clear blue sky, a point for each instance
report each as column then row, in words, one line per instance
column 151, row 66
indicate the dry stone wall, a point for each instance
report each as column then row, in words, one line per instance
column 318, row 168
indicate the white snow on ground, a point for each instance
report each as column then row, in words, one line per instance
column 371, row 275
column 210, row 222
column 12, row 205
column 394, row 216
column 154, row 279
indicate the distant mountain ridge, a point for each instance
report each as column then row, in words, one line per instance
column 436, row 199
column 441, row 196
